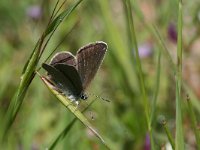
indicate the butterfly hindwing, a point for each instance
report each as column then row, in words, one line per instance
column 64, row 58
column 89, row 59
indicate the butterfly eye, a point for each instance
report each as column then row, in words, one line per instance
column 83, row 96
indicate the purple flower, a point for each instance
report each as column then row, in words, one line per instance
column 172, row 32
column 147, row 144
column 34, row 12
column 145, row 50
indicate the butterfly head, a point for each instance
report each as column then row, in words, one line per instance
column 83, row 96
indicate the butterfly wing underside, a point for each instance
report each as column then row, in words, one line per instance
column 89, row 59
column 66, row 78
column 63, row 58
column 72, row 75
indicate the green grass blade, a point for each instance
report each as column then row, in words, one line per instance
column 27, row 62
column 73, row 109
column 63, row 134
column 28, row 72
column 194, row 122
column 121, row 51
column 40, row 41
column 153, row 29
column 139, row 68
column 157, row 84
column 138, row 62
column 179, row 141
column 56, row 22
column 164, row 124
column 164, row 47
column 195, row 102
column 193, row 97
column 17, row 99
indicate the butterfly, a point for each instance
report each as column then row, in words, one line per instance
column 71, row 74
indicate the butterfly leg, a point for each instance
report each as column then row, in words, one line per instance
column 74, row 101
column 77, row 104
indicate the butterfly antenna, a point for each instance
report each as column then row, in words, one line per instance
column 99, row 97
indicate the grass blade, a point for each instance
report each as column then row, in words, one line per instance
column 179, row 141
column 66, row 130
column 73, row 109
column 17, row 99
column 194, row 122
column 28, row 72
column 56, row 22
column 168, row 134
column 139, row 68
column 153, row 108
column 62, row 134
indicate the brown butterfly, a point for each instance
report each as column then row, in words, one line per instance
column 72, row 74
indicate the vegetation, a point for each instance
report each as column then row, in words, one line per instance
column 149, row 74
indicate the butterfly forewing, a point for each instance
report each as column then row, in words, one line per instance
column 62, row 81
column 89, row 59
column 71, row 74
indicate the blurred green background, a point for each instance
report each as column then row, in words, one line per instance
column 122, row 121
